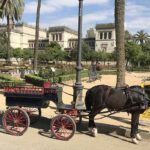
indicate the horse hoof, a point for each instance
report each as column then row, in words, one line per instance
column 134, row 140
column 138, row 137
column 93, row 131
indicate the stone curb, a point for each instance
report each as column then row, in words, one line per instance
column 126, row 132
column 121, row 130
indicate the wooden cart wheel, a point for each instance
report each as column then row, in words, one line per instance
column 75, row 115
column 15, row 121
column 33, row 113
column 63, row 127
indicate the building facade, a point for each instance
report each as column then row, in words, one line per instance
column 105, row 37
column 62, row 35
column 21, row 34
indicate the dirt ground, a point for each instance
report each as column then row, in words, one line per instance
column 38, row 136
column 131, row 78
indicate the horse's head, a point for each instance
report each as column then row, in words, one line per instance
column 138, row 95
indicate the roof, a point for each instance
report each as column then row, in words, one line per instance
column 62, row 28
column 23, row 24
column 105, row 26
column 27, row 25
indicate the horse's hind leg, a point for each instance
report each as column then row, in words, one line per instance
column 91, row 126
column 134, row 127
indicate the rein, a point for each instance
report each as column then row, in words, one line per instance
column 122, row 110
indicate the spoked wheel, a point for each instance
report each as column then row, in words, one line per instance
column 75, row 115
column 34, row 114
column 63, row 127
column 15, row 121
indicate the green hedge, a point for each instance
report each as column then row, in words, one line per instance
column 140, row 69
column 35, row 80
column 7, row 80
column 38, row 81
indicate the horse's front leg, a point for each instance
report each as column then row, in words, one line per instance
column 92, row 127
column 134, row 127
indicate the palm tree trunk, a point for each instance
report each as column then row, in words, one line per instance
column 8, row 42
column 37, row 35
column 3, row 4
column 119, row 24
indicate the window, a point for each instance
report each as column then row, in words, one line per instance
column 109, row 35
column 101, row 35
column 56, row 37
column 53, row 37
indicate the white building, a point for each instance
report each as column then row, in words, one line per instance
column 23, row 36
column 105, row 39
column 22, row 33
column 62, row 35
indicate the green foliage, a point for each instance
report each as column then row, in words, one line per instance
column 45, row 73
column 133, row 52
column 52, row 52
column 128, row 36
column 38, row 81
column 54, row 45
column 141, row 37
column 13, row 9
column 27, row 54
column 3, row 45
column 35, row 80
column 17, row 53
column 8, row 80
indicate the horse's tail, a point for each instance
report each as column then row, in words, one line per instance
column 88, row 100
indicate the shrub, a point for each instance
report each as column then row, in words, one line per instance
column 35, row 80
column 7, row 80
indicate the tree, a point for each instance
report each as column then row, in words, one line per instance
column 3, row 44
column 90, row 33
column 120, row 34
column 27, row 54
column 133, row 51
column 128, row 36
column 17, row 53
column 37, row 35
column 13, row 10
column 3, row 3
column 141, row 37
column 52, row 52
column 54, row 45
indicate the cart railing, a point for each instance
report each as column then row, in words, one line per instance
column 24, row 90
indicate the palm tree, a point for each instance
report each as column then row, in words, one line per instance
column 12, row 10
column 120, row 34
column 37, row 35
column 141, row 37
column 3, row 4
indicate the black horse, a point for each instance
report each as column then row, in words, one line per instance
column 129, row 99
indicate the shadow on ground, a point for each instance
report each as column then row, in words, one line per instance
column 43, row 126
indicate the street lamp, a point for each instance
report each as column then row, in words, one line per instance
column 77, row 96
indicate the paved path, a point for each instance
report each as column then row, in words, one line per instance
column 38, row 137
column 33, row 139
